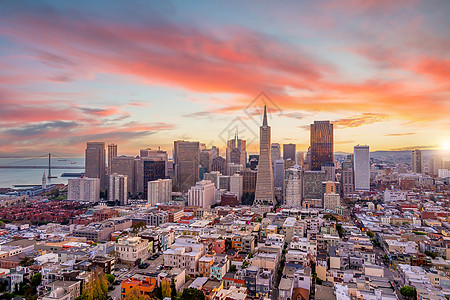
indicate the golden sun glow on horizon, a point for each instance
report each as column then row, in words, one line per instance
column 445, row 145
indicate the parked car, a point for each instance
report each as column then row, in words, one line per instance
column 143, row 266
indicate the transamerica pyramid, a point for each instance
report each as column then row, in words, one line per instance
column 264, row 182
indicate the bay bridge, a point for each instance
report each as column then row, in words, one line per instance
column 20, row 164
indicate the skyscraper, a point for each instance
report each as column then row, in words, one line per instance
column 293, row 187
column 125, row 165
column 312, row 188
column 236, row 151
column 249, row 178
column 289, row 152
column 278, row 173
column 83, row 189
column 153, row 169
column 219, row 164
column 321, row 144
column 348, row 186
column 112, row 152
column 237, row 185
column 361, row 166
column 275, row 151
column 214, row 152
column 186, row 158
column 117, row 191
column 264, row 194
column 159, row 191
column 156, row 154
column 205, row 162
column 417, row 161
column 95, row 162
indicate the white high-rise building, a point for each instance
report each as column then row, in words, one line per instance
column 293, row 187
column 442, row 173
column 159, row 191
column 361, row 165
column 118, row 189
column 84, row 189
column 237, row 185
column 202, row 194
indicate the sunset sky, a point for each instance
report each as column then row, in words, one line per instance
column 146, row 73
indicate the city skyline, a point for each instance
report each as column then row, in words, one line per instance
column 148, row 74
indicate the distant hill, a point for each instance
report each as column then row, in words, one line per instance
column 399, row 156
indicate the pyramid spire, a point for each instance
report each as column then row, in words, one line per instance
column 265, row 116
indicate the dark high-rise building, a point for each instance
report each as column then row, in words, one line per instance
column 253, row 161
column 321, row 144
column 289, row 152
column 95, row 162
column 186, row 158
column 153, row 169
column 205, row 160
column 157, row 154
column 249, row 180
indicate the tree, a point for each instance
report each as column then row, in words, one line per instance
column 370, row 234
column 233, row 268
column 408, row 291
column 36, row 280
column 135, row 294
column 26, row 261
column 192, row 294
column 138, row 227
column 165, row 288
column 340, row 230
column 432, row 254
column 158, row 293
column 97, row 288
column 173, row 288
column 110, row 278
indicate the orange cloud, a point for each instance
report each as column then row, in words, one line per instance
column 364, row 119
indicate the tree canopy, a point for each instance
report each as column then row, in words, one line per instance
column 192, row 294
column 408, row 291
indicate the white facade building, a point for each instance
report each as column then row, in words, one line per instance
column 331, row 201
column 361, row 168
column 130, row 249
column 443, row 173
column 118, row 188
column 84, row 189
column 202, row 194
column 393, row 196
column 237, row 185
column 293, row 187
column 159, row 191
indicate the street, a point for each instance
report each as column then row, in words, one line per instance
column 120, row 276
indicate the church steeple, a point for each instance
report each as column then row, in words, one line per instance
column 265, row 116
